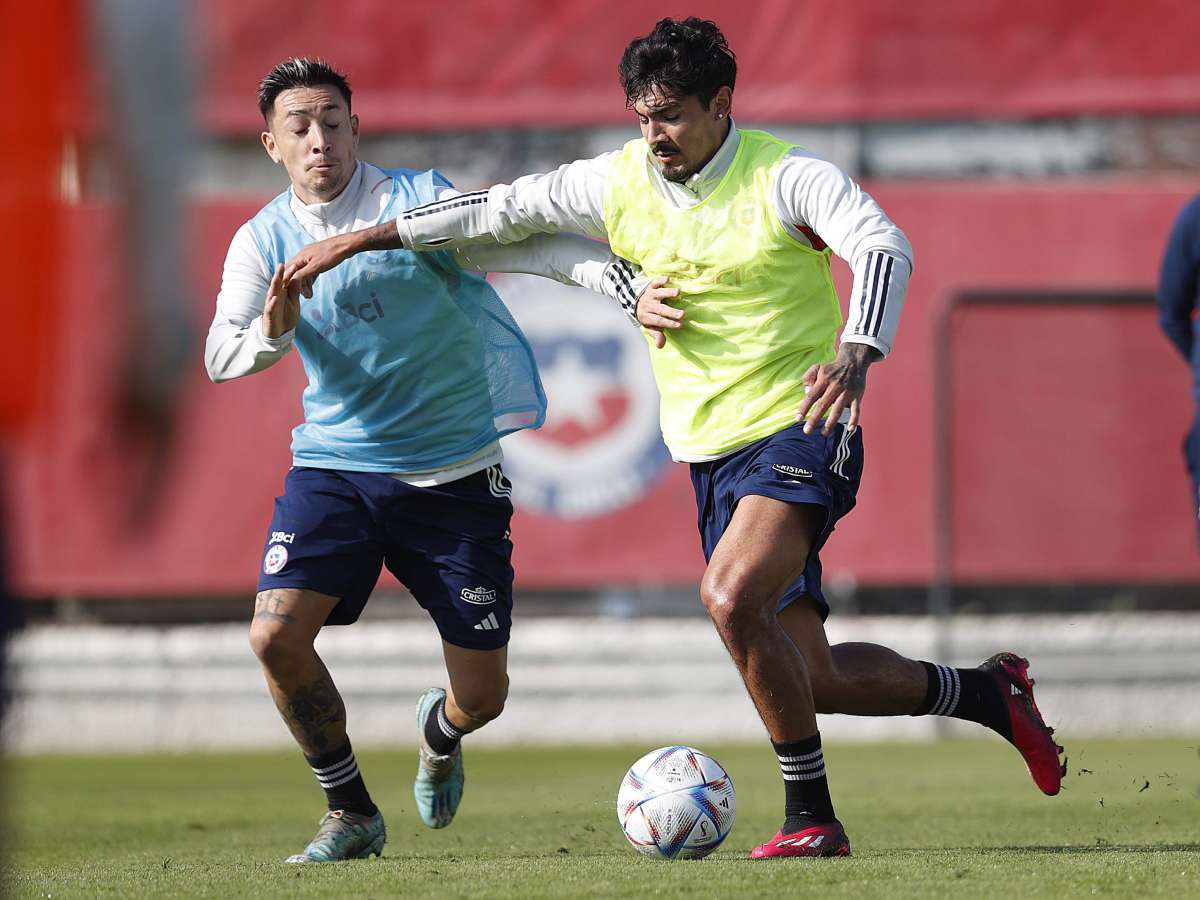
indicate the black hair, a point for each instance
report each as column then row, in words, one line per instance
column 679, row 58
column 299, row 72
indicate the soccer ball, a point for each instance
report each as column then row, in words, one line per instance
column 676, row 803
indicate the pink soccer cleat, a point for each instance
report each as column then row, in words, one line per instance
column 826, row 839
column 1030, row 736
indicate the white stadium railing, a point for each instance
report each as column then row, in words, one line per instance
column 99, row 688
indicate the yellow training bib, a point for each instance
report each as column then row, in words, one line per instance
column 759, row 306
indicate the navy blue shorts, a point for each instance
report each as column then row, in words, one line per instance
column 449, row 545
column 791, row 466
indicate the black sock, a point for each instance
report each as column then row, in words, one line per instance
column 338, row 775
column 806, row 789
column 441, row 736
column 964, row 694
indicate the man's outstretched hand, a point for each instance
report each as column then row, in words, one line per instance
column 303, row 268
column 830, row 388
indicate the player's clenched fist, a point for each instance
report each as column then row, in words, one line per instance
column 281, row 312
column 831, row 387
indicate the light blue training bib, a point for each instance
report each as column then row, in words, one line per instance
column 413, row 364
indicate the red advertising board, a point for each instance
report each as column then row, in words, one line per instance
column 552, row 63
column 1059, row 412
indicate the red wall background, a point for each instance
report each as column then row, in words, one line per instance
column 1066, row 455
column 1066, row 451
column 481, row 63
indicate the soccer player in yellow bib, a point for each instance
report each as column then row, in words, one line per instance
column 758, row 397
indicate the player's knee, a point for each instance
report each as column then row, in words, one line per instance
column 730, row 602
column 277, row 646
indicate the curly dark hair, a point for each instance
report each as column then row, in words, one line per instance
column 299, row 72
column 679, row 58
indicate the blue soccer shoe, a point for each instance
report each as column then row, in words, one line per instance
column 344, row 835
column 438, row 787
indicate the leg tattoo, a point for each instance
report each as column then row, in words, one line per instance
column 269, row 605
column 316, row 715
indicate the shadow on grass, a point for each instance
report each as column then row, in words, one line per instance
column 425, row 858
column 1081, row 848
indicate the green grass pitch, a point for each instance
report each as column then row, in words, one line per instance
column 955, row 819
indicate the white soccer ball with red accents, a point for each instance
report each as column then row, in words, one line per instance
column 676, row 803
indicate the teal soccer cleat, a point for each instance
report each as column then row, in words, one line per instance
column 438, row 788
column 344, row 835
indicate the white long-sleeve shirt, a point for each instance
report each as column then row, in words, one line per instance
column 235, row 349
column 236, row 345
column 816, row 202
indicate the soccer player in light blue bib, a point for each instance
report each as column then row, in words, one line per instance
column 415, row 371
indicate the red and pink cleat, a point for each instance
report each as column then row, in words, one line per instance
column 1030, row 736
column 828, row 839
